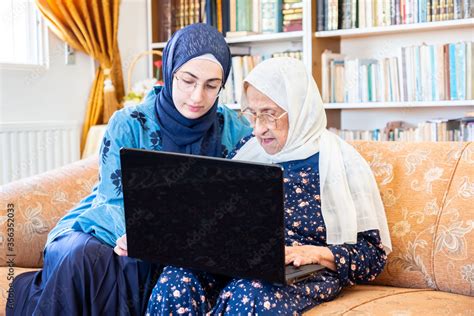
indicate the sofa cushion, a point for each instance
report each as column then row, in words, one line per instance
column 453, row 251
column 5, row 284
column 38, row 203
column 413, row 179
column 386, row 300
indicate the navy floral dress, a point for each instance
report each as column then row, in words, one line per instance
column 186, row 292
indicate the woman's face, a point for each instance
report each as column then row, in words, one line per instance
column 196, row 85
column 271, row 135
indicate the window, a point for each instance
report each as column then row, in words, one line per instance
column 22, row 33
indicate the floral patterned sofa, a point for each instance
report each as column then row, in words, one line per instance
column 428, row 192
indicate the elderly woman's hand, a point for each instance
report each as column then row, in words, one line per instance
column 307, row 254
column 121, row 247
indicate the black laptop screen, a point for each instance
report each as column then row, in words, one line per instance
column 203, row 213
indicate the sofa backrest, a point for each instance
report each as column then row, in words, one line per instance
column 428, row 193
column 427, row 190
column 36, row 204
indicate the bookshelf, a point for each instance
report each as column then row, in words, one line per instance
column 372, row 42
column 385, row 42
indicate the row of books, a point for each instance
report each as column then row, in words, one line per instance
column 241, row 66
column 246, row 17
column 461, row 129
column 231, row 17
column 419, row 73
column 176, row 14
column 347, row 14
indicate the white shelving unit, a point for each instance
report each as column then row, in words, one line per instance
column 386, row 41
column 381, row 30
column 379, row 105
column 253, row 39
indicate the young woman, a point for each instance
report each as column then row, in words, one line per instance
column 81, row 273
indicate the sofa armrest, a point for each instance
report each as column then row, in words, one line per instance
column 31, row 207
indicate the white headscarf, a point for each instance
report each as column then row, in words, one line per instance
column 350, row 199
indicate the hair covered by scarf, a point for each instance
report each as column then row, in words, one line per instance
column 180, row 134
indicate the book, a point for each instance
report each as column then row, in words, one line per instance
column 271, row 16
column 244, row 14
column 326, row 57
column 233, row 15
column 320, row 15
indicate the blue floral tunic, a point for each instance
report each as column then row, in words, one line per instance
column 101, row 213
column 187, row 292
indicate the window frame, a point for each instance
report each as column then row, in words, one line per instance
column 37, row 42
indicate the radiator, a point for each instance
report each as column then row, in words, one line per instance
column 29, row 148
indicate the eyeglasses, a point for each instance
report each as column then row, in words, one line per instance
column 187, row 84
column 266, row 119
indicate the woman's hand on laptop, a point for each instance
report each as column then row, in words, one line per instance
column 121, row 247
column 308, row 254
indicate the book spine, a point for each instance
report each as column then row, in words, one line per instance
column 208, row 11
column 393, row 12
column 452, row 72
column 403, row 11
column 320, row 15
column 418, row 74
column 354, row 14
column 347, row 14
column 469, row 71
column 256, row 16
column 270, row 21
column 434, row 10
column 450, row 9
column 403, row 72
column 362, row 21
column 461, row 70
column 327, row 15
column 398, row 17
column 433, row 73
column 428, row 11
column 466, row 9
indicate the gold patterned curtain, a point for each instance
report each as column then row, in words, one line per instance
column 91, row 26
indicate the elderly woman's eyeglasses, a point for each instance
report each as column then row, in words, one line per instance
column 187, row 84
column 266, row 119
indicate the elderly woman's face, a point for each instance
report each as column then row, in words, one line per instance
column 196, row 85
column 270, row 133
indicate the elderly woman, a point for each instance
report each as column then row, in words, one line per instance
column 333, row 212
column 81, row 273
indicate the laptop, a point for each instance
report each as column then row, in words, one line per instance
column 209, row 214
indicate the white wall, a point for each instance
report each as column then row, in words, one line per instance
column 60, row 92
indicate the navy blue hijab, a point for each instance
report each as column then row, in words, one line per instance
column 199, row 136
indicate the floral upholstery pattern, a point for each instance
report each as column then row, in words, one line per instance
column 428, row 193
column 39, row 202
